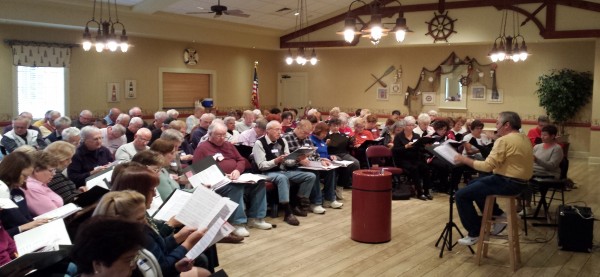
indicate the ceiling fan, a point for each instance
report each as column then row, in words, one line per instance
column 219, row 10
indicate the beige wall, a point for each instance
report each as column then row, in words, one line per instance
column 338, row 80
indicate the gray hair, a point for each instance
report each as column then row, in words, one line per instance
column 261, row 123
column 134, row 109
column 86, row 112
column 398, row 124
column 69, row 133
column 229, row 119
column 23, row 118
column 88, row 131
column 410, row 120
column 172, row 135
column 312, row 111
column 160, row 115
column 207, row 116
column 62, row 122
column 118, row 128
column 432, row 113
column 172, row 113
column 513, row 119
column 136, row 120
column 52, row 114
column 248, row 112
column 122, row 117
column 216, row 125
column 273, row 123
column 424, row 118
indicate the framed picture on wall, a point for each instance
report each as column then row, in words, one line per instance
column 428, row 98
column 130, row 89
column 382, row 94
column 112, row 92
column 396, row 88
column 495, row 96
column 477, row 92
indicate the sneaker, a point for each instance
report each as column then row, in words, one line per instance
column 241, row 231
column 332, row 204
column 428, row 196
column 317, row 209
column 422, row 197
column 338, row 193
column 468, row 241
column 498, row 227
column 259, row 223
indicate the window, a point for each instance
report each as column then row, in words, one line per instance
column 40, row 89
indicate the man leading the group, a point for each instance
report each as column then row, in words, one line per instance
column 511, row 163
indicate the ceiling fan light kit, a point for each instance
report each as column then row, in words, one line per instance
column 219, row 10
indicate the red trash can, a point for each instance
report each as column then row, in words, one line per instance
column 371, row 206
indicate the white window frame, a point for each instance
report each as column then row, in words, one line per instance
column 16, row 92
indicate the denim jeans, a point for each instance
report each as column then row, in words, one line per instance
column 256, row 194
column 329, row 180
column 282, row 179
column 345, row 173
column 477, row 190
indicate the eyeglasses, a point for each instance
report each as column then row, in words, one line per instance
column 219, row 135
column 154, row 169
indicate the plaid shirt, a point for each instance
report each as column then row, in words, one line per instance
column 294, row 142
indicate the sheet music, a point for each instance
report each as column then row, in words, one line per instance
column 447, row 152
column 342, row 163
column 201, row 208
column 250, row 178
column 45, row 237
column 100, row 180
column 224, row 231
column 316, row 165
column 173, row 206
column 211, row 176
column 226, row 210
column 6, row 203
column 156, row 203
column 205, row 241
column 299, row 152
column 60, row 212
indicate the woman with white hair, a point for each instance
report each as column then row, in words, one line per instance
column 72, row 135
column 423, row 128
column 232, row 134
column 408, row 157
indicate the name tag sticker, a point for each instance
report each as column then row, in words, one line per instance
column 218, row 157
column 363, row 137
column 275, row 151
column 322, row 144
column 18, row 198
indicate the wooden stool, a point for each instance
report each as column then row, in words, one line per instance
column 512, row 227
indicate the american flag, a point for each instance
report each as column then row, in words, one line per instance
column 255, row 89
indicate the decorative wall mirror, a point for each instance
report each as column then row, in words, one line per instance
column 452, row 93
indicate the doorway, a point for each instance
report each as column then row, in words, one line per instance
column 292, row 91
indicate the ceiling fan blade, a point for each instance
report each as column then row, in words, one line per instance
column 199, row 12
column 236, row 13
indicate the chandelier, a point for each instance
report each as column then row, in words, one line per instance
column 301, row 22
column 507, row 47
column 105, row 38
column 375, row 29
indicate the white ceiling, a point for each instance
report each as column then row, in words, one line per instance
column 263, row 13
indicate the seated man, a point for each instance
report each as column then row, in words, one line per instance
column 269, row 153
column 112, row 115
column 202, row 129
column 249, row 137
column 300, row 138
column 140, row 142
column 48, row 127
column 233, row 164
column 86, row 118
column 60, row 124
column 134, row 125
column 247, row 123
column 113, row 137
column 510, row 161
column 90, row 157
column 21, row 135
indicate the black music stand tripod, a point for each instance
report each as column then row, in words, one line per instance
column 447, row 232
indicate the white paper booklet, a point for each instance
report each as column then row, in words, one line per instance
column 217, row 231
column 173, row 205
column 446, row 152
column 250, row 178
column 204, row 207
column 211, row 176
column 157, row 202
column 342, row 163
column 46, row 237
column 99, row 179
column 316, row 165
column 6, row 203
column 60, row 212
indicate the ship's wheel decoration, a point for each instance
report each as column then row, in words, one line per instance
column 440, row 27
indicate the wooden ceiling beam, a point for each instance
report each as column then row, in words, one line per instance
column 547, row 31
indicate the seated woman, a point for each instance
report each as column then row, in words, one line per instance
column 410, row 159
column 448, row 175
column 477, row 144
column 107, row 246
column 318, row 139
column 391, row 131
column 60, row 184
column 338, row 145
column 168, row 182
column 131, row 205
column 546, row 159
column 371, row 126
column 344, row 128
column 287, row 122
column 14, row 170
column 458, row 129
column 40, row 198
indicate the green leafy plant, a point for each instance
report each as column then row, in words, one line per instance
column 562, row 93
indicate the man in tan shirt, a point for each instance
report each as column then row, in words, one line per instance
column 510, row 163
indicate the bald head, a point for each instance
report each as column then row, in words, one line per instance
column 141, row 139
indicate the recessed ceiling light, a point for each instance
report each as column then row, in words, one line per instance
column 297, row 13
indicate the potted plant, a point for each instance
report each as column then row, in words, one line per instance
column 562, row 93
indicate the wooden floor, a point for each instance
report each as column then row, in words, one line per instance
column 321, row 245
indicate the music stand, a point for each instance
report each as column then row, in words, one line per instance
column 447, row 232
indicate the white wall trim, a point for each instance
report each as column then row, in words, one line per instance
column 593, row 160
column 579, row 154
